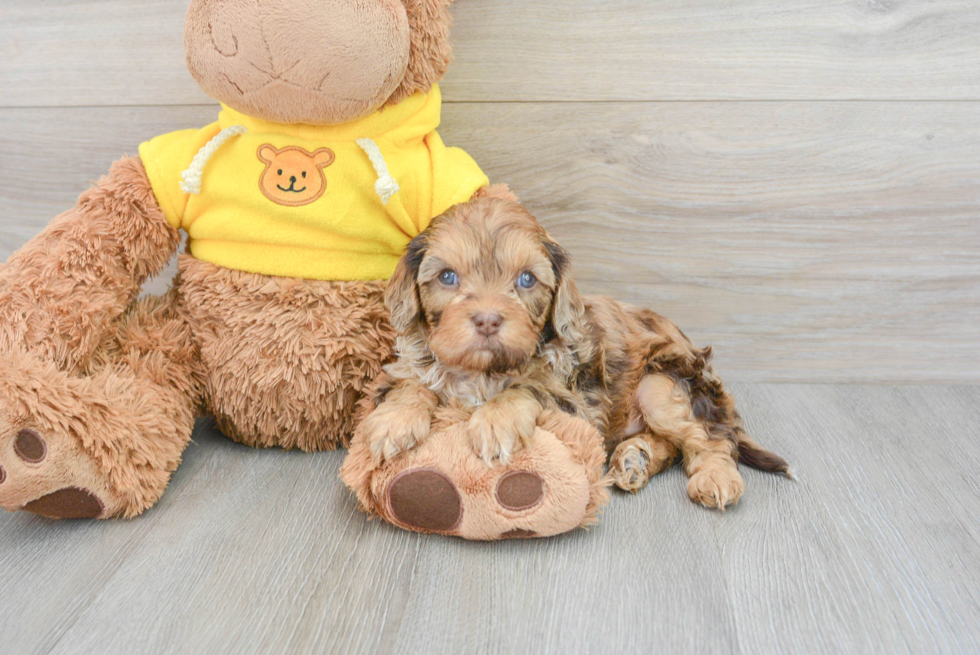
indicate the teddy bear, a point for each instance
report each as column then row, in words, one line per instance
column 297, row 202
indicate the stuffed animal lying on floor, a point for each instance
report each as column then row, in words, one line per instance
column 298, row 201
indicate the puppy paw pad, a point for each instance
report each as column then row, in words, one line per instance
column 520, row 490
column 30, row 447
column 425, row 499
column 3, row 475
column 69, row 503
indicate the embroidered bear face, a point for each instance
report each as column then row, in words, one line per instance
column 293, row 176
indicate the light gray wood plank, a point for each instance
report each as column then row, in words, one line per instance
column 67, row 53
column 53, row 570
column 825, row 242
column 626, row 586
column 874, row 549
column 115, row 52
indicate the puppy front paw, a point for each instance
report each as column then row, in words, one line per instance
column 394, row 428
column 498, row 431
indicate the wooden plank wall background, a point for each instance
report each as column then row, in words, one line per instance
column 795, row 181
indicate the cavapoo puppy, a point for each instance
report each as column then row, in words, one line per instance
column 489, row 318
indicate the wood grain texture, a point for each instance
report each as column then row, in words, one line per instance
column 118, row 52
column 809, row 238
column 823, row 242
column 874, row 549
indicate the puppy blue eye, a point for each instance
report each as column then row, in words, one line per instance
column 449, row 278
column 526, row 281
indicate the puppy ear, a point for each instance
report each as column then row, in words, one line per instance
column 402, row 294
column 567, row 309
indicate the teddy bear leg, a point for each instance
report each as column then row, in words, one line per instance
column 552, row 485
column 104, row 444
column 286, row 359
column 62, row 292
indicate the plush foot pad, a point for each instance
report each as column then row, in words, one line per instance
column 425, row 499
column 520, row 490
column 518, row 533
column 67, row 504
column 549, row 487
column 49, row 475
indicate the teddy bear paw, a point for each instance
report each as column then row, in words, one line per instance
column 49, row 475
column 428, row 500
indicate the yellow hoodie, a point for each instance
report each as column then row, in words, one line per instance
column 324, row 202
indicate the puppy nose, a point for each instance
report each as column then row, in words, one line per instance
column 293, row 179
column 488, row 323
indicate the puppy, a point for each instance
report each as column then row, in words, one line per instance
column 489, row 318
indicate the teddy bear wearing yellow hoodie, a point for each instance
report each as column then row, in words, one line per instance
column 297, row 202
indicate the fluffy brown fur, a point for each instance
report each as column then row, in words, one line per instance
column 61, row 292
column 112, row 386
column 118, row 432
column 285, row 360
column 489, row 316
column 430, row 51
column 108, row 387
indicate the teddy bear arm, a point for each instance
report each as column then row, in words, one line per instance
column 62, row 291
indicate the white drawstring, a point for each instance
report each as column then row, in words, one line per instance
column 193, row 176
column 386, row 186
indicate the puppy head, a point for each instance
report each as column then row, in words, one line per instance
column 485, row 285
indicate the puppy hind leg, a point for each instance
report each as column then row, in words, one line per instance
column 709, row 462
column 639, row 458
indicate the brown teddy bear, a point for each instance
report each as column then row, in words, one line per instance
column 298, row 201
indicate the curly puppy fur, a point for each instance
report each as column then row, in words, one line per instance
column 489, row 316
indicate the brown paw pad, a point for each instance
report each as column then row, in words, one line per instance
column 30, row 447
column 3, row 475
column 425, row 499
column 519, row 533
column 70, row 503
column 520, row 490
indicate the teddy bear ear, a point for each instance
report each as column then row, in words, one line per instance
column 323, row 157
column 430, row 49
column 267, row 153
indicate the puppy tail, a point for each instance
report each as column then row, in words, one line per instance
column 752, row 454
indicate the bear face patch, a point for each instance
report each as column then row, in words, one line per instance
column 293, row 176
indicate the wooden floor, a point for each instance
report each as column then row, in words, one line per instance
column 794, row 181
column 875, row 548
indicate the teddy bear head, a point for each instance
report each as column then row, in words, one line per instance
column 316, row 61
